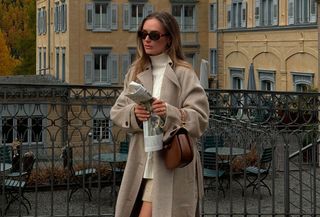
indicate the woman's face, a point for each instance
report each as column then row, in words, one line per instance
column 154, row 38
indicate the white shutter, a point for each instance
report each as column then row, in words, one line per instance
column 126, row 16
column 313, row 11
column 229, row 16
column 88, row 68
column 291, row 12
column 244, row 14
column 125, row 65
column 113, row 68
column 114, row 16
column 89, row 16
column 274, row 12
column 147, row 9
column 257, row 12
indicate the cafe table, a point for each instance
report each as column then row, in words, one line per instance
column 116, row 162
column 5, row 167
column 230, row 153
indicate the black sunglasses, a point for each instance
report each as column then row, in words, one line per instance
column 153, row 35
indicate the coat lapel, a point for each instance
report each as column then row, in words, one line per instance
column 146, row 79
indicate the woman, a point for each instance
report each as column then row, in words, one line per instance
column 148, row 188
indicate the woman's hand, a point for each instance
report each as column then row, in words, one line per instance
column 141, row 113
column 159, row 107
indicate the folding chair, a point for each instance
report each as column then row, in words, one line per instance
column 212, row 172
column 257, row 174
column 77, row 176
column 15, row 183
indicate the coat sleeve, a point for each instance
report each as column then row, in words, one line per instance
column 193, row 101
column 122, row 112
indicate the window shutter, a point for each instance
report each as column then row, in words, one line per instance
column 114, row 16
column 125, row 18
column 274, row 13
column 244, row 14
column 229, row 16
column 89, row 16
column 313, row 11
column 65, row 15
column 44, row 21
column 56, row 14
column 60, row 18
column 113, row 66
column 147, row 9
column 125, row 65
column 290, row 12
column 257, row 12
column 88, row 68
column 38, row 22
column 215, row 17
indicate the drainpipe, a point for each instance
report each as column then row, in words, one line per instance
column 217, row 41
column 49, row 37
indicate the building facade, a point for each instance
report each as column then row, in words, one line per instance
column 93, row 41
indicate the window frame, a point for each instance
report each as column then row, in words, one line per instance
column 182, row 19
column 267, row 76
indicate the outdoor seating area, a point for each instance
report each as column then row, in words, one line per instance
column 80, row 156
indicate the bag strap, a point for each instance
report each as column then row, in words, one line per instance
column 183, row 117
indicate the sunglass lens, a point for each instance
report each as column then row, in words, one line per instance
column 154, row 35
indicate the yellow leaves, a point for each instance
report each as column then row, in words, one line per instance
column 7, row 63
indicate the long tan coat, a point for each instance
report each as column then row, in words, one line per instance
column 175, row 192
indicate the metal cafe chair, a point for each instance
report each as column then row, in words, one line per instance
column 257, row 174
column 15, row 183
column 76, row 176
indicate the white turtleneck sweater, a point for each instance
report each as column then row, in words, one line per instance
column 159, row 64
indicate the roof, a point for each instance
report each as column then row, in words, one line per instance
column 30, row 79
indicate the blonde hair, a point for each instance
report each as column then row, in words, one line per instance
column 174, row 49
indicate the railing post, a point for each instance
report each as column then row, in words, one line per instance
column 286, row 180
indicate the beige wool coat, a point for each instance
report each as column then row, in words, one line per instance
column 175, row 192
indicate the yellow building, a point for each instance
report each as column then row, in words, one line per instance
column 93, row 41
column 278, row 37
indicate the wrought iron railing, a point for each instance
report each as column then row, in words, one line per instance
column 45, row 119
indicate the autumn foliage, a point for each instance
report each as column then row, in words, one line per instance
column 18, row 37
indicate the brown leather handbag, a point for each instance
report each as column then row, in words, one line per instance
column 178, row 148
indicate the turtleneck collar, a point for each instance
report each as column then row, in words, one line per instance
column 160, row 60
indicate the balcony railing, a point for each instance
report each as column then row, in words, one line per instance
column 48, row 118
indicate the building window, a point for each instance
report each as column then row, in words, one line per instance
column 237, row 76
column 57, row 62
column 302, row 81
column 42, row 21
column 213, row 62
column 101, row 16
column 302, row 11
column 101, row 67
column 267, row 80
column 191, row 58
column 60, row 16
column 26, row 126
column 134, row 13
column 63, row 64
column 266, row 12
column 237, row 14
column 213, row 19
column 40, row 60
column 101, row 124
column 185, row 14
column 44, row 60
column 127, row 60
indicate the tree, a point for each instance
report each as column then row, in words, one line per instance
column 7, row 62
column 17, row 21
